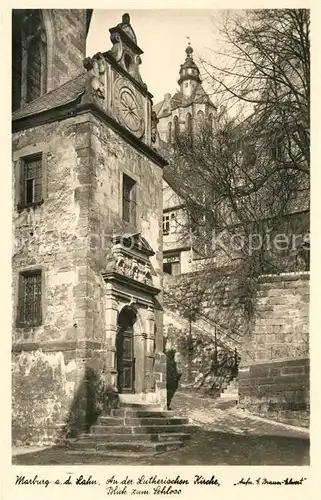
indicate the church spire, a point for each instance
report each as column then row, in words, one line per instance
column 189, row 74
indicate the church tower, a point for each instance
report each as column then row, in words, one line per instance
column 185, row 112
column 188, row 107
column 189, row 74
column 87, row 210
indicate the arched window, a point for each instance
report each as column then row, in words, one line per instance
column 29, row 57
column 188, row 124
column 169, row 132
column 176, row 128
column 200, row 120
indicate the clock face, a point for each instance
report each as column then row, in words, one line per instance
column 129, row 107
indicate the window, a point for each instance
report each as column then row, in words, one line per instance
column 188, row 124
column 172, row 264
column 29, row 300
column 129, row 200
column 176, row 128
column 31, row 181
column 29, row 57
column 166, row 224
column 167, row 218
column 200, row 118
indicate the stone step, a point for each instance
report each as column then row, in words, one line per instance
column 123, row 412
column 140, row 406
column 128, row 456
column 121, row 438
column 106, row 420
column 162, row 429
column 151, row 428
column 132, row 446
column 155, row 421
column 111, row 429
column 174, row 436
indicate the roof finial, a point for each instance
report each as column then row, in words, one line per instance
column 189, row 51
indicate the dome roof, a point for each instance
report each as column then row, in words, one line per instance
column 189, row 69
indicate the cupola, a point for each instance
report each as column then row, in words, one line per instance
column 189, row 74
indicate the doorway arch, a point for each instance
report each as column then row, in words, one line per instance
column 125, row 358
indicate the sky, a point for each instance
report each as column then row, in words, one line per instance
column 162, row 35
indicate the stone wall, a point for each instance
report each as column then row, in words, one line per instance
column 54, row 392
column 219, row 314
column 277, row 390
column 280, row 327
column 214, row 295
column 66, row 41
column 52, row 361
column 53, row 236
column 274, row 344
column 274, row 381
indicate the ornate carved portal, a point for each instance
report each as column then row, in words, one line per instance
column 130, row 315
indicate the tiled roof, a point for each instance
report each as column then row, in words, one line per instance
column 66, row 93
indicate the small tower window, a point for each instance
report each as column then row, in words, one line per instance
column 188, row 124
column 200, row 119
column 129, row 200
column 176, row 128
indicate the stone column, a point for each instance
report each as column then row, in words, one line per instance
column 150, row 344
column 111, row 328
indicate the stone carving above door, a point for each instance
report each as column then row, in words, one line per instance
column 130, row 257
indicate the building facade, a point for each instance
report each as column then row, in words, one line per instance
column 87, row 225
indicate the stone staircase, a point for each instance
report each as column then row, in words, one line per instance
column 133, row 430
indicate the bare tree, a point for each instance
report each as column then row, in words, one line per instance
column 267, row 66
column 247, row 182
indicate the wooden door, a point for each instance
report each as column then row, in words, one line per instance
column 125, row 360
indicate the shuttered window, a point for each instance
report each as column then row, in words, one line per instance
column 31, row 180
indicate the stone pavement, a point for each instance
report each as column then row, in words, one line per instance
column 224, row 435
